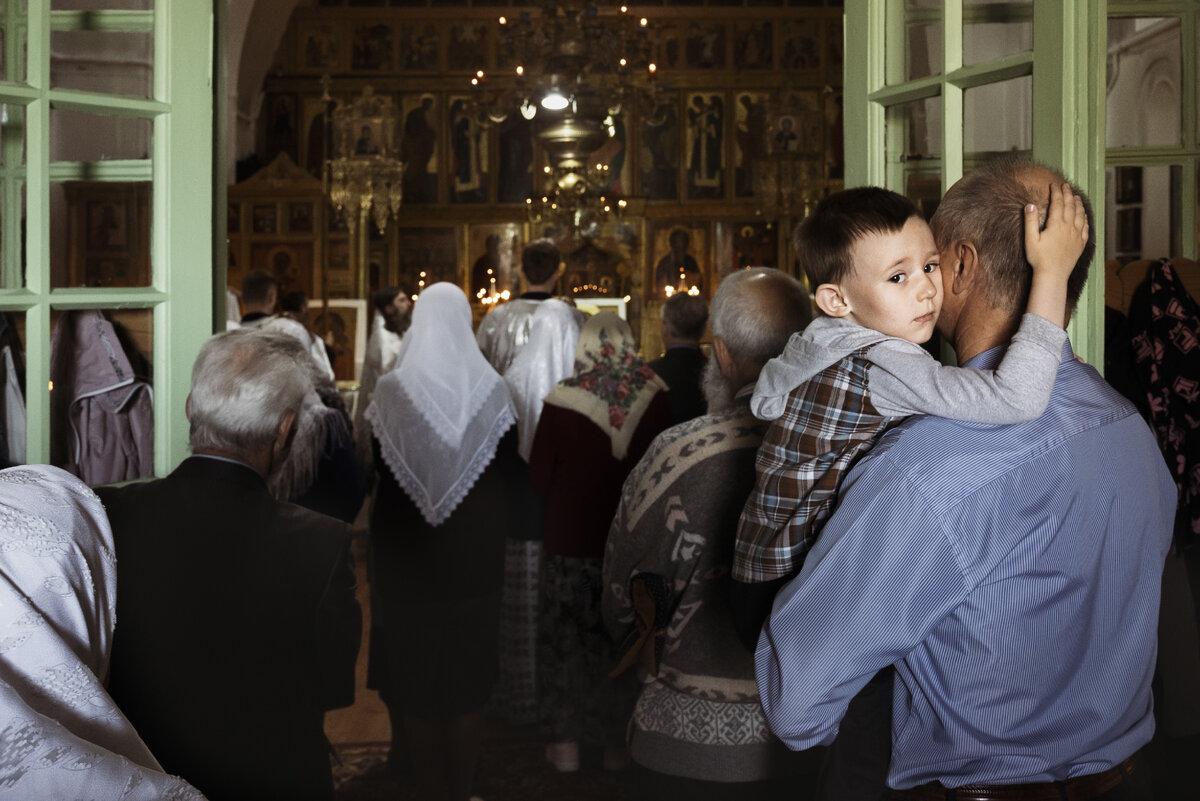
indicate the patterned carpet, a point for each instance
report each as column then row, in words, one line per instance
column 512, row 768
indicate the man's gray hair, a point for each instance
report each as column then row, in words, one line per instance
column 756, row 311
column 243, row 383
column 986, row 208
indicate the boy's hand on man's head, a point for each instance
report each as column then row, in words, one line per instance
column 1056, row 249
column 1053, row 252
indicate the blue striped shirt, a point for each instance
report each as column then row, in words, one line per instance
column 1011, row 573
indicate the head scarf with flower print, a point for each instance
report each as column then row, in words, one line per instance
column 612, row 387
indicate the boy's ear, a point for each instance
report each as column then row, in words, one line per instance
column 830, row 300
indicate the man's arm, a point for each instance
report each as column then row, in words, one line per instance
column 339, row 633
column 879, row 579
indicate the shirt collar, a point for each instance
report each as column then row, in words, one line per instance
column 221, row 459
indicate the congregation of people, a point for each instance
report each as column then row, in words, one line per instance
column 805, row 560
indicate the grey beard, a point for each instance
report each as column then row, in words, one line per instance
column 716, row 389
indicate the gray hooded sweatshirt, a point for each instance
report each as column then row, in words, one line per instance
column 906, row 380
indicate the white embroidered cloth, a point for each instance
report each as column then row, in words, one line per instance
column 546, row 359
column 440, row 412
column 61, row 735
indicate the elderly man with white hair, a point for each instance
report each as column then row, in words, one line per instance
column 698, row 728
column 237, row 622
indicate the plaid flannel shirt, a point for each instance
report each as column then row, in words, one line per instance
column 826, row 425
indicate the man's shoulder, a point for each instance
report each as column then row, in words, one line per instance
column 138, row 494
column 516, row 306
column 722, row 444
column 681, row 447
column 496, row 318
column 933, row 449
column 290, row 517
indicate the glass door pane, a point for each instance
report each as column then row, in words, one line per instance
column 993, row 30
column 1144, row 73
column 998, row 117
column 918, row 53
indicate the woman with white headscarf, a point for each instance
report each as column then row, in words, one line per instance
column 594, row 428
column 547, row 358
column 437, row 534
column 61, row 735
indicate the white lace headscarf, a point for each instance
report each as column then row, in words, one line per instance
column 61, row 735
column 546, row 359
column 440, row 412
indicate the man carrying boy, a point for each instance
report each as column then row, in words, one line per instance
column 1010, row 573
column 859, row 368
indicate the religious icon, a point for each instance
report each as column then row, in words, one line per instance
column 801, row 45
column 372, row 48
column 419, row 48
column 515, row 143
column 468, row 46
column 677, row 269
column 418, row 148
column 468, row 145
column 319, row 47
column 705, row 146
column 750, row 139
column 705, row 46
column 754, row 46
column 660, row 153
column 300, row 218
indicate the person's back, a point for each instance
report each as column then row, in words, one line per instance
column 504, row 331
column 683, row 321
column 1035, row 592
column 698, row 729
column 237, row 622
column 1010, row 573
column 215, row 656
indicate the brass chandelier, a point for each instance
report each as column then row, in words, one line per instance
column 575, row 69
column 364, row 179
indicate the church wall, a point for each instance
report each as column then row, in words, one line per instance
column 724, row 68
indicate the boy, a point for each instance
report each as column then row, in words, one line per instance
column 859, row 369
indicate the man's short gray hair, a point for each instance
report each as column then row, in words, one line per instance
column 756, row 311
column 243, row 383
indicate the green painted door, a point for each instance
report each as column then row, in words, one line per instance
column 105, row 190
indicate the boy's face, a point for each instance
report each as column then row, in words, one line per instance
column 895, row 284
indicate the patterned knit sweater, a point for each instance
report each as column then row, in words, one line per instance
column 699, row 717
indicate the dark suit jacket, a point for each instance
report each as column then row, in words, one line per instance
column 680, row 367
column 237, row 627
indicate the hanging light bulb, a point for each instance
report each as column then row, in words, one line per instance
column 555, row 101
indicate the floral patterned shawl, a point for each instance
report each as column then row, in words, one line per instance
column 612, row 387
